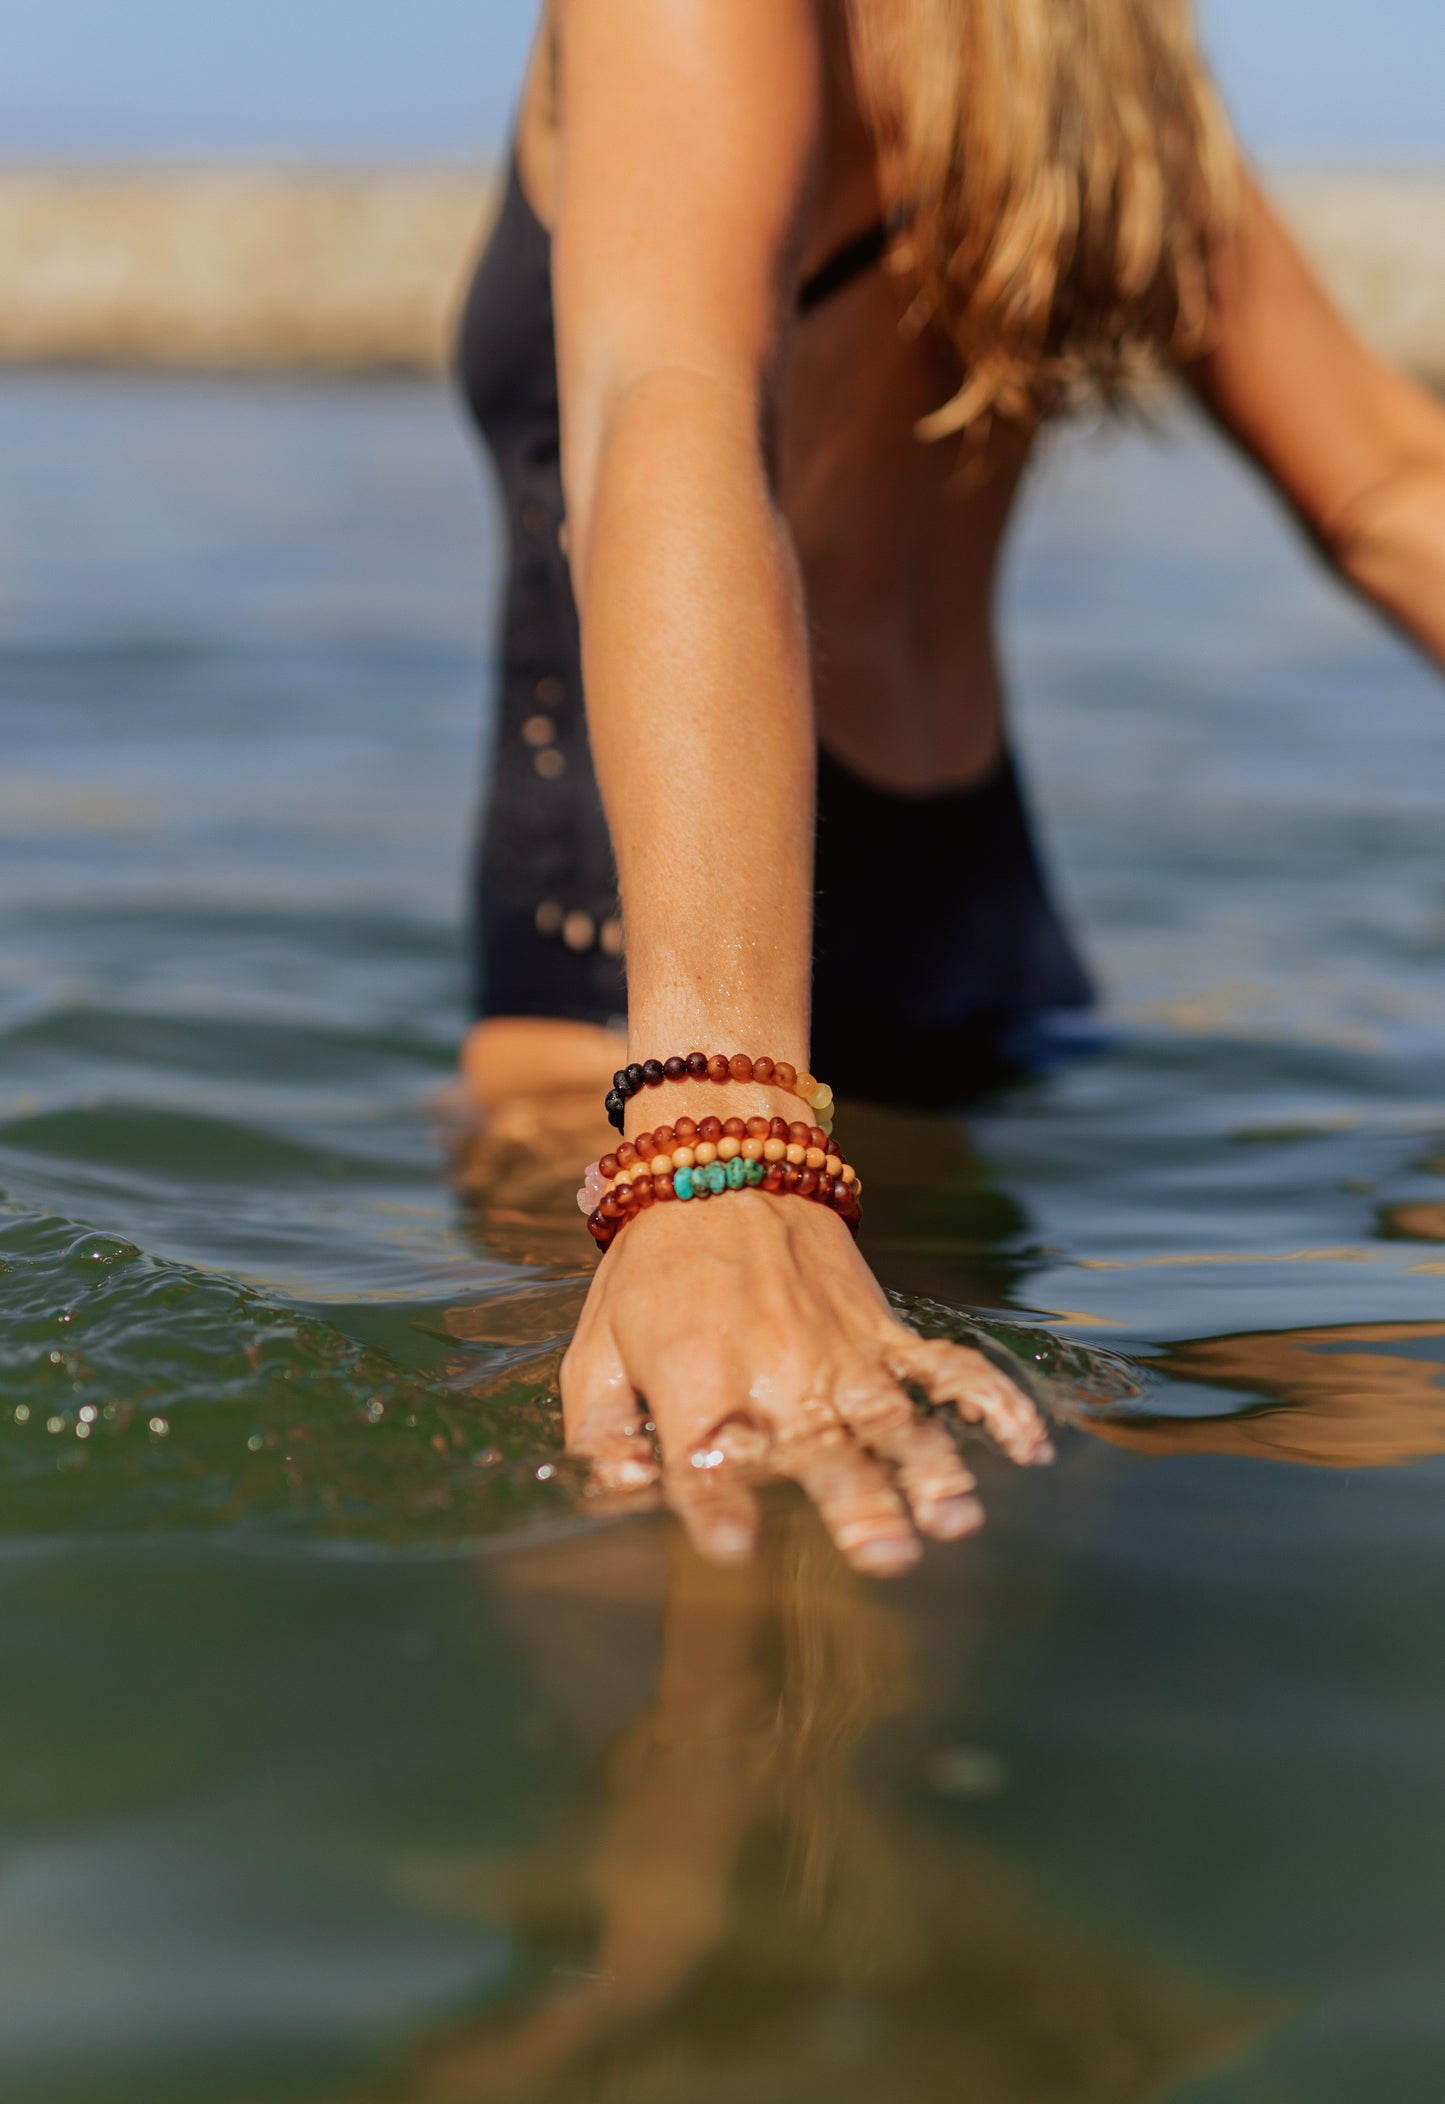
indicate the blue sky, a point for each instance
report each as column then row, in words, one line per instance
column 308, row 79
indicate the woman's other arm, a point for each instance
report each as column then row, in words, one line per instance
column 1356, row 450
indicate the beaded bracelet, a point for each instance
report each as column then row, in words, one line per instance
column 627, row 1198
column 702, row 1160
column 715, row 1066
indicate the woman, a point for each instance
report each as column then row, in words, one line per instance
column 818, row 273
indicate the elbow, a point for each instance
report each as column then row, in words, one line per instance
column 681, row 431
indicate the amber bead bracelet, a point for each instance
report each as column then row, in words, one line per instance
column 715, row 1066
column 707, row 1158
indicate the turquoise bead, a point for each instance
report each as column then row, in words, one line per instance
column 716, row 1177
column 682, row 1183
column 754, row 1172
column 737, row 1173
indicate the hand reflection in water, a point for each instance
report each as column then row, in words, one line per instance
column 739, row 1913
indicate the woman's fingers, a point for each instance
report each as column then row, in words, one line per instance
column 603, row 1415
column 953, row 1373
column 928, row 1468
column 711, row 1496
column 856, row 1499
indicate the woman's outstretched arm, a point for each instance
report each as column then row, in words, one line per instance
column 752, row 1328
column 1356, row 449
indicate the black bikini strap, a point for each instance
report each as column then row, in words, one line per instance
column 846, row 263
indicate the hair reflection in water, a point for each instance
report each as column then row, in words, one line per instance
column 755, row 1896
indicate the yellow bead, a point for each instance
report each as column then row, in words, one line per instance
column 752, row 1150
column 804, row 1087
column 660, row 1165
column 820, row 1097
column 774, row 1150
column 850, row 1174
column 834, row 1165
column 727, row 1147
column 796, row 1155
column 704, row 1152
column 816, row 1159
column 683, row 1157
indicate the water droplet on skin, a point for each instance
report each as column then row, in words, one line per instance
column 159, row 1426
column 709, row 1457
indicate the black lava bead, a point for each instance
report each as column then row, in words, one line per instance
column 652, row 1072
column 634, row 1078
column 615, row 1107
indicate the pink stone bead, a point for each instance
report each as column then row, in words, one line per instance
column 594, row 1185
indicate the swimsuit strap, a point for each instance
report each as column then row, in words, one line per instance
column 843, row 266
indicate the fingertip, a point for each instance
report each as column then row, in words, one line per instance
column 950, row 1519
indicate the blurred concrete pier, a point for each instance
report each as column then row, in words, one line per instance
column 359, row 271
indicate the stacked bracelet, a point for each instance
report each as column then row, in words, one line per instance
column 702, row 1160
column 716, row 1066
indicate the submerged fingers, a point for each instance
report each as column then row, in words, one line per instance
column 603, row 1417
column 856, row 1499
column 928, row 1469
column 954, row 1373
column 708, row 1489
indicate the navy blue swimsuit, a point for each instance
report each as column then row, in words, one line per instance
column 936, row 948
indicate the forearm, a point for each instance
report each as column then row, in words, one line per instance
column 1390, row 546
column 699, row 710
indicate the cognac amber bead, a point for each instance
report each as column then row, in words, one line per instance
column 599, row 1229
column 763, row 1069
column 626, row 1196
column 792, row 1175
column 608, row 1166
column 817, row 1137
column 697, row 1065
column 784, row 1075
column 807, row 1185
column 758, row 1128
column 662, row 1186
column 646, row 1145
column 626, row 1154
column 611, row 1206
column 773, row 1177
column 740, row 1067
column 799, row 1133
column 665, row 1139
column 733, row 1128
column 825, row 1187
column 842, row 1199
column 674, row 1068
column 642, row 1189
column 685, row 1131
column 778, row 1127
column 717, row 1067
column 710, row 1129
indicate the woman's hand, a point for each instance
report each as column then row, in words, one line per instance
column 752, row 1334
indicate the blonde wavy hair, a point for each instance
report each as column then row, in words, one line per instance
column 1065, row 180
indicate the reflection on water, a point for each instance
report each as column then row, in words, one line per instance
column 348, row 1748
column 729, row 1908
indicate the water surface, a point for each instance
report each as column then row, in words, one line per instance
column 345, row 1751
